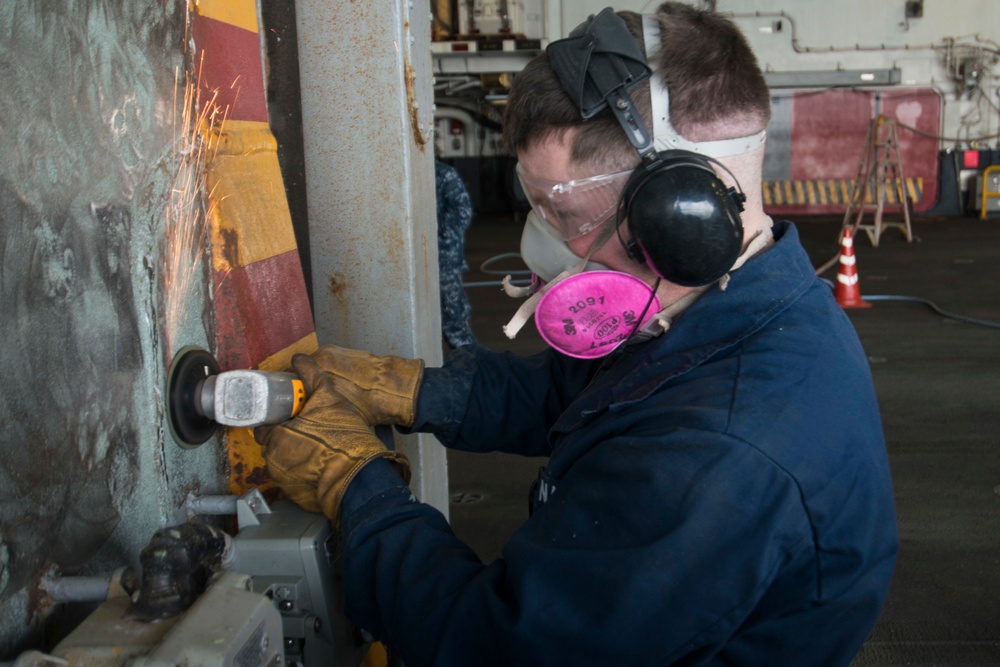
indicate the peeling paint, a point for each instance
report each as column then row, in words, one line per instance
column 229, row 247
column 412, row 105
column 338, row 286
column 246, row 465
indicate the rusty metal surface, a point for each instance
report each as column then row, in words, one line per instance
column 91, row 118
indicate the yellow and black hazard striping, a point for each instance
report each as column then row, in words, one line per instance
column 833, row 191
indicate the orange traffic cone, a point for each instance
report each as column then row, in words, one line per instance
column 846, row 291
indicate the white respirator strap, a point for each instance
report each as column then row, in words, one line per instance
column 665, row 137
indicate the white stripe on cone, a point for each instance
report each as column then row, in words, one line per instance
column 847, row 280
column 847, row 293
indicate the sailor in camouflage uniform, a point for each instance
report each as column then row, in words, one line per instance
column 454, row 215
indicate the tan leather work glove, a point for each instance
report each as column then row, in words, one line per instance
column 314, row 456
column 383, row 389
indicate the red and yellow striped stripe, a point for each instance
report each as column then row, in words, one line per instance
column 261, row 306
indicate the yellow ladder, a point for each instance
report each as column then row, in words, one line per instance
column 880, row 169
column 986, row 192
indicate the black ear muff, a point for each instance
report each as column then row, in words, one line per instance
column 683, row 220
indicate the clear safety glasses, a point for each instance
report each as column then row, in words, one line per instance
column 574, row 208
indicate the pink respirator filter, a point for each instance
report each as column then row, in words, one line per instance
column 591, row 313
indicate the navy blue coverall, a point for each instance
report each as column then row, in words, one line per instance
column 720, row 495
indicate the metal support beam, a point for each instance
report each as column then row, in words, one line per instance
column 367, row 116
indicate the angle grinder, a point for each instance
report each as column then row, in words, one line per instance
column 200, row 397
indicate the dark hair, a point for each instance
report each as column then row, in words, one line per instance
column 709, row 69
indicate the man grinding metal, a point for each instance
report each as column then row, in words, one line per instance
column 717, row 490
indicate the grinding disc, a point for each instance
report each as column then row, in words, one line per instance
column 190, row 367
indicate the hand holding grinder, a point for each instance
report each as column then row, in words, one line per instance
column 312, row 449
column 200, row 396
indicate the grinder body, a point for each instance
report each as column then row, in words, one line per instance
column 249, row 398
column 200, row 397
